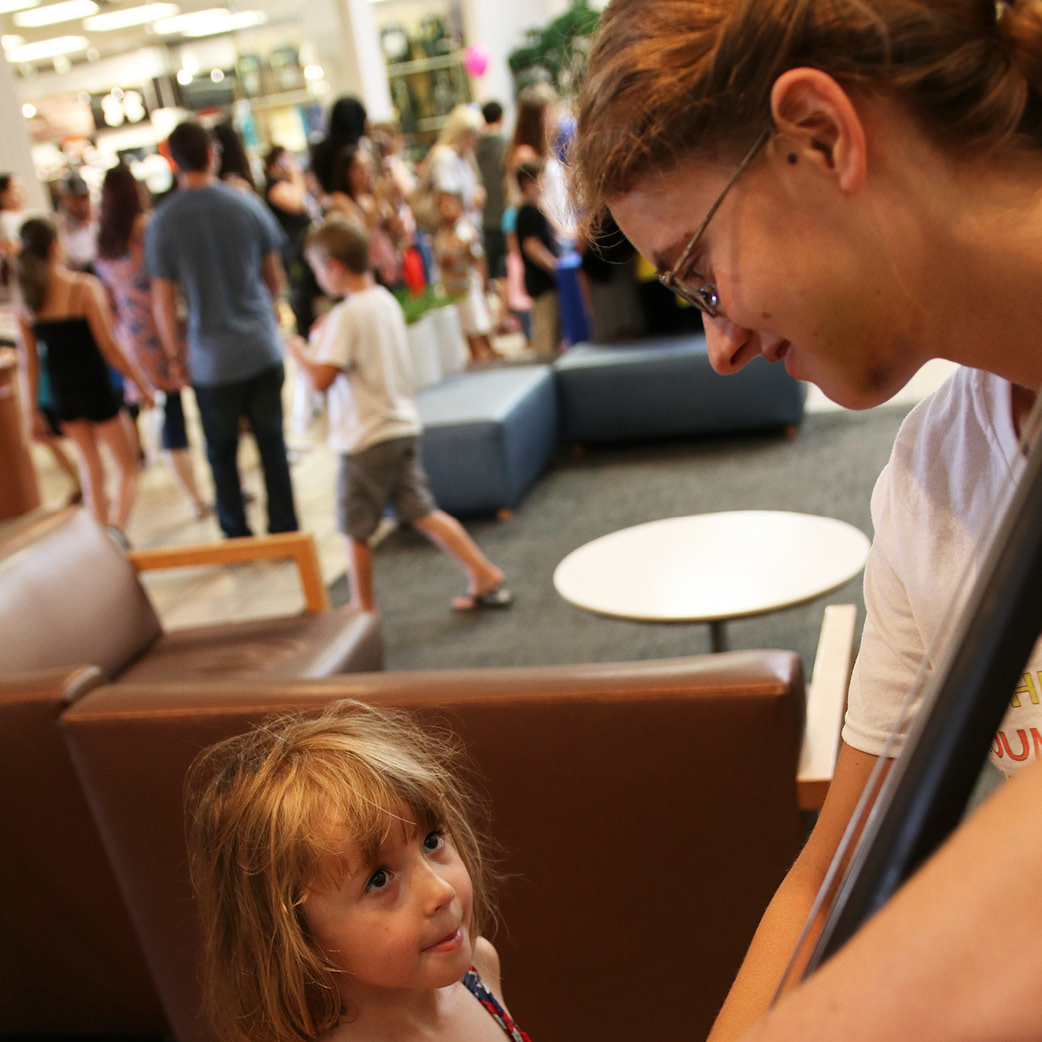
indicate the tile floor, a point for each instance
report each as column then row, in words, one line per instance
column 161, row 517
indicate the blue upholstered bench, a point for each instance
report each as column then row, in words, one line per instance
column 487, row 436
column 666, row 387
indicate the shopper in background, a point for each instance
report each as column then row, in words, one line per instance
column 233, row 165
column 120, row 265
column 77, row 223
column 221, row 248
column 490, row 154
column 66, row 345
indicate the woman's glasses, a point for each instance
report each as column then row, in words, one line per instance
column 691, row 286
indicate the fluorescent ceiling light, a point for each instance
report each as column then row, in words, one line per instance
column 54, row 13
column 16, row 5
column 9, row 40
column 129, row 16
column 34, row 52
column 210, row 22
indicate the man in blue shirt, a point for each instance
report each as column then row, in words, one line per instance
column 221, row 247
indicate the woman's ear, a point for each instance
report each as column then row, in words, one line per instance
column 818, row 119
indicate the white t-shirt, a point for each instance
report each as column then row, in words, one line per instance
column 933, row 509
column 371, row 401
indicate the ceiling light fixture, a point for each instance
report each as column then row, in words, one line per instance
column 52, row 14
column 210, row 22
column 129, row 16
column 6, row 6
column 34, row 52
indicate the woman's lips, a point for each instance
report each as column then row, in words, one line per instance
column 777, row 351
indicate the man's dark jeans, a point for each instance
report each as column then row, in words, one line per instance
column 259, row 400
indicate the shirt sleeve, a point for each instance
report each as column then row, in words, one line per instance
column 336, row 342
column 159, row 259
column 892, row 651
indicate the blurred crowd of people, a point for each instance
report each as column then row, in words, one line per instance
column 484, row 216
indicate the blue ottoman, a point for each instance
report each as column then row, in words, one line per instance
column 487, row 436
column 666, row 387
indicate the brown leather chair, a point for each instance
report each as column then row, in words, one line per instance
column 70, row 597
column 647, row 811
column 70, row 962
column 74, row 614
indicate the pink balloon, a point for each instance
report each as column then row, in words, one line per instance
column 475, row 60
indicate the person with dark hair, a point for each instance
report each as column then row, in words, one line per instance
column 347, row 127
column 539, row 251
column 77, row 223
column 221, row 248
column 233, row 167
column 120, row 265
column 489, row 154
column 66, row 344
column 851, row 188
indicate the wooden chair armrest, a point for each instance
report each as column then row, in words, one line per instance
column 826, row 704
column 296, row 546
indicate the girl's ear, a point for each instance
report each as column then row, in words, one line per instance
column 818, row 120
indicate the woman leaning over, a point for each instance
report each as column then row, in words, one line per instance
column 120, row 265
column 850, row 188
column 65, row 337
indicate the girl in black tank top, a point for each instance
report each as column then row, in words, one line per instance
column 66, row 345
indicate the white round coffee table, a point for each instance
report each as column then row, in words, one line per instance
column 712, row 567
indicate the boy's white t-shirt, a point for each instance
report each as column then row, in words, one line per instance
column 933, row 509
column 372, row 400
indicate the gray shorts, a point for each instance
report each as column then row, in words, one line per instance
column 386, row 473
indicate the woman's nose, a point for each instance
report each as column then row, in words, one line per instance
column 727, row 344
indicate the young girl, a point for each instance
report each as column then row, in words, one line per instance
column 342, row 888
column 66, row 339
column 461, row 263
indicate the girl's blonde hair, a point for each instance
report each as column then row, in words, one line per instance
column 674, row 78
column 270, row 814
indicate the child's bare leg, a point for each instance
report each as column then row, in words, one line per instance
column 92, row 470
column 181, row 467
column 118, row 436
column 360, row 560
column 480, row 347
column 448, row 534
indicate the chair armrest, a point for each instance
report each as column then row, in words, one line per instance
column 826, row 704
column 296, row 546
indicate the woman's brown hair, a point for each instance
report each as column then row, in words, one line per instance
column 673, row 78
column 36, row 239
column 270, row 814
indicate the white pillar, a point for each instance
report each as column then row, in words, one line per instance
column 17, row 157
column 347, row 45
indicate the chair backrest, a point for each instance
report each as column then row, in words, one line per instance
column 69, row 597
column 70, row 962
column 647, row 811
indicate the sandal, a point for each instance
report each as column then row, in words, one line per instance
column 498, row 597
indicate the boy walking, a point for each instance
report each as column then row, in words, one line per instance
column 360, row 359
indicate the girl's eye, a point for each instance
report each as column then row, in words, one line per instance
column 377, row 881
column 434, row 840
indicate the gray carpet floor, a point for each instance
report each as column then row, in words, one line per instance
column 828, row 468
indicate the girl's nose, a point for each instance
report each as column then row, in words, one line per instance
column 726, row 343
column 438, row 891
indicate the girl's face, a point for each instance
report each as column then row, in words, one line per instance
column 803, row 272
column 401, row 921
